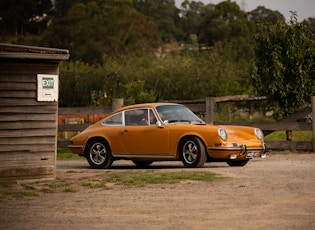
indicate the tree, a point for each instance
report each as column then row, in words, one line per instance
column 191, row 17
column 93, row 31
column 165, row 15
column 264, row 15
column 226, row 23
column 61, row 7
column 285, row 68
column 22, row 17
column 223, row 23
column 310, row 23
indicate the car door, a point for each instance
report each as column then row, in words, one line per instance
column 141, row 135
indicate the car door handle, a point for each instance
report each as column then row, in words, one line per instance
column 123, row 131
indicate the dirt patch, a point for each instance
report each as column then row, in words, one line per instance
column 273, row 193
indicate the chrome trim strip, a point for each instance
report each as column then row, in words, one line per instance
column 166, row 156
column 235, row 148
column 225, row 148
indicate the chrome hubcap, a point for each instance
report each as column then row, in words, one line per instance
column 190, row 152
column 98, row 153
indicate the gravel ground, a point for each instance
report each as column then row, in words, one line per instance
column 273, row 193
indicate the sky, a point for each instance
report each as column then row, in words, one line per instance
column 304, row 8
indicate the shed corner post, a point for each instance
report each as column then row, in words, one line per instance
column 313, row 122
column 210, row 115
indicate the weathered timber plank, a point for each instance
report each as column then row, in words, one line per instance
column 272, row 126
column 27, row 125
column 84, row 110
column 18, row 86
column 27, row 132
column 31, row 165
column 14, row 77
column 28, row 117
column 298, row 115
column 18, row 94
column 292, row 145
column 18, row 101
column 72, row 127
column 197, row 108
column 244, row 97
column 27, row 158
column 27, row 148
column 35, row 109
column 197, row 101
column 27, row 140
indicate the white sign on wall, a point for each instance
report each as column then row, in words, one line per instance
column 47, row 87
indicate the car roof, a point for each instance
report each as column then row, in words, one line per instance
column 144, row 105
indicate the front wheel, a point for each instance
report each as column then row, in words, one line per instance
column 193, row 152
column 237, row 163
column 98, row 154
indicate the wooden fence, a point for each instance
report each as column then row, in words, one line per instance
column 207, row 107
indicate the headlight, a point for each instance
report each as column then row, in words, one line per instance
column 259, row 134
column 222, row 134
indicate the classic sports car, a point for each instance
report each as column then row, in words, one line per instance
column 151, row 132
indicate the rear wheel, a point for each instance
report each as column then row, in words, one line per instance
column 237, row 163
column 193, row 152
column 98, row 154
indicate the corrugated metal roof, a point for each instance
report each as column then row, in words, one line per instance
column 32, row 52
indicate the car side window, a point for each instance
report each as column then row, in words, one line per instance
column 136, row 117
column 114, row 120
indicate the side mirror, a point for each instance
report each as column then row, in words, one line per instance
column 159, row 124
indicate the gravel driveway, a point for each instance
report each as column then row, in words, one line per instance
column 273, row 193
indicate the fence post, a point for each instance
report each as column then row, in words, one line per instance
column 210, row 116
column 313, row 122
column 117, row 103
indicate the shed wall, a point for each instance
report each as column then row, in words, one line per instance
column 28, row 128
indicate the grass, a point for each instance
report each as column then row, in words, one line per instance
column 65, row 154
column 22, row 194
column 95, row 185
column 108, row 180
column 153, row 177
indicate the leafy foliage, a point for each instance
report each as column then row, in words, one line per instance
column 263, row 15
column 285, row 71
column 94, row 31
column 165, row 15
column 21, row 17
column 193, row 75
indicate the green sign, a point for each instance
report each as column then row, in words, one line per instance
column 48, row 83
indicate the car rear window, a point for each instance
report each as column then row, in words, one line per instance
column 114, row 120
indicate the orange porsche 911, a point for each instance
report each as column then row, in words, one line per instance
column 151, row 132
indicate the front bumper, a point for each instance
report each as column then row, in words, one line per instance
column 241, row 152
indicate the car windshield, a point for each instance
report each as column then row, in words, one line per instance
column 176, row 113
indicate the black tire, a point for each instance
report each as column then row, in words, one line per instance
column 98, row 154
column 193, row 152
column 142, row 164
column 237, row 163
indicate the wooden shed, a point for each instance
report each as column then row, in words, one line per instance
column 29, row 111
